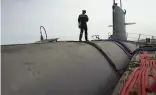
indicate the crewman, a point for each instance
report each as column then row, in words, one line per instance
column 82, row 21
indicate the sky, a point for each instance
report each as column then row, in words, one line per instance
column 21, row 19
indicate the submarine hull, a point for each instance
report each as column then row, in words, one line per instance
column 62, row 68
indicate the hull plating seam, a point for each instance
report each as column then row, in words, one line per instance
column 126, row 52
column 123, row 47
column 105, row 56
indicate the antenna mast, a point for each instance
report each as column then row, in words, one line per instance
column 121, row 4
column 113, row 1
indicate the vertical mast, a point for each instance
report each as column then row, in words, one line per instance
column 113, row 1
column 121, row 4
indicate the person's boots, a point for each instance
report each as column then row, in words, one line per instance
column 80, row 37
column 86, row 37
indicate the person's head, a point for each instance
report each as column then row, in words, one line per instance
column 83, row 11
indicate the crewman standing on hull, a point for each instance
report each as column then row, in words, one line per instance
column 82, row 20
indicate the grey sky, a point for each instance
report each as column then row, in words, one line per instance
column 21, row 19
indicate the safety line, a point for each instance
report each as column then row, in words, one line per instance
column 123, row 47
column 112, row 64
column 126, row 52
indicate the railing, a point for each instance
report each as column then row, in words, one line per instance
column 139, row 37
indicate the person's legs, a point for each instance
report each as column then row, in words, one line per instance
column 86, row 33
column 81, row 33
